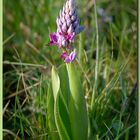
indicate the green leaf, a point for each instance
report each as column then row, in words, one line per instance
column 55, row 82
column 62, row 118
column 53, row 135
column 60, row 108
column 64, row 84
column 77, row 105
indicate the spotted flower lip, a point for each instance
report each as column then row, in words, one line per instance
column 60, row 40
column 69, row 37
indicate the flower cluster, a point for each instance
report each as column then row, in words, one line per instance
column 67, row 28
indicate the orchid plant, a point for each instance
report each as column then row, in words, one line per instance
column 66, row 105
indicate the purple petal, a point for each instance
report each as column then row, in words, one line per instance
column 53, row 39
column 70, row 30
column 69, row 37
column 64, row 55
column 64, row 43
column 67, row 60
column 72, row 55
column 61, row 41
column 64, row 27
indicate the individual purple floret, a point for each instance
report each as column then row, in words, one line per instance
column 64, row 55
column 68, row 58
column 67, row 28
column 53, row 39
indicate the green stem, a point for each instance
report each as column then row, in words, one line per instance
column 97, row 58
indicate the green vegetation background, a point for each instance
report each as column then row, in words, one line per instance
column 27, row 65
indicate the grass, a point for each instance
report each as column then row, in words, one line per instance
column 107, row 53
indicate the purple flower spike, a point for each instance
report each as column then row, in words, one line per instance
column 53, row 39
column 68, row 27
column 68, row 24
column 71, row 57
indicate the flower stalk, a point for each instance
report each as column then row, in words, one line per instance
column 97, row 57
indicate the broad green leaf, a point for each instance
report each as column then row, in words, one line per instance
column 60, row 109
column 62, row 118
column 64, row 84
column 55, row 82
column 77, row 105
column 53, row 134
